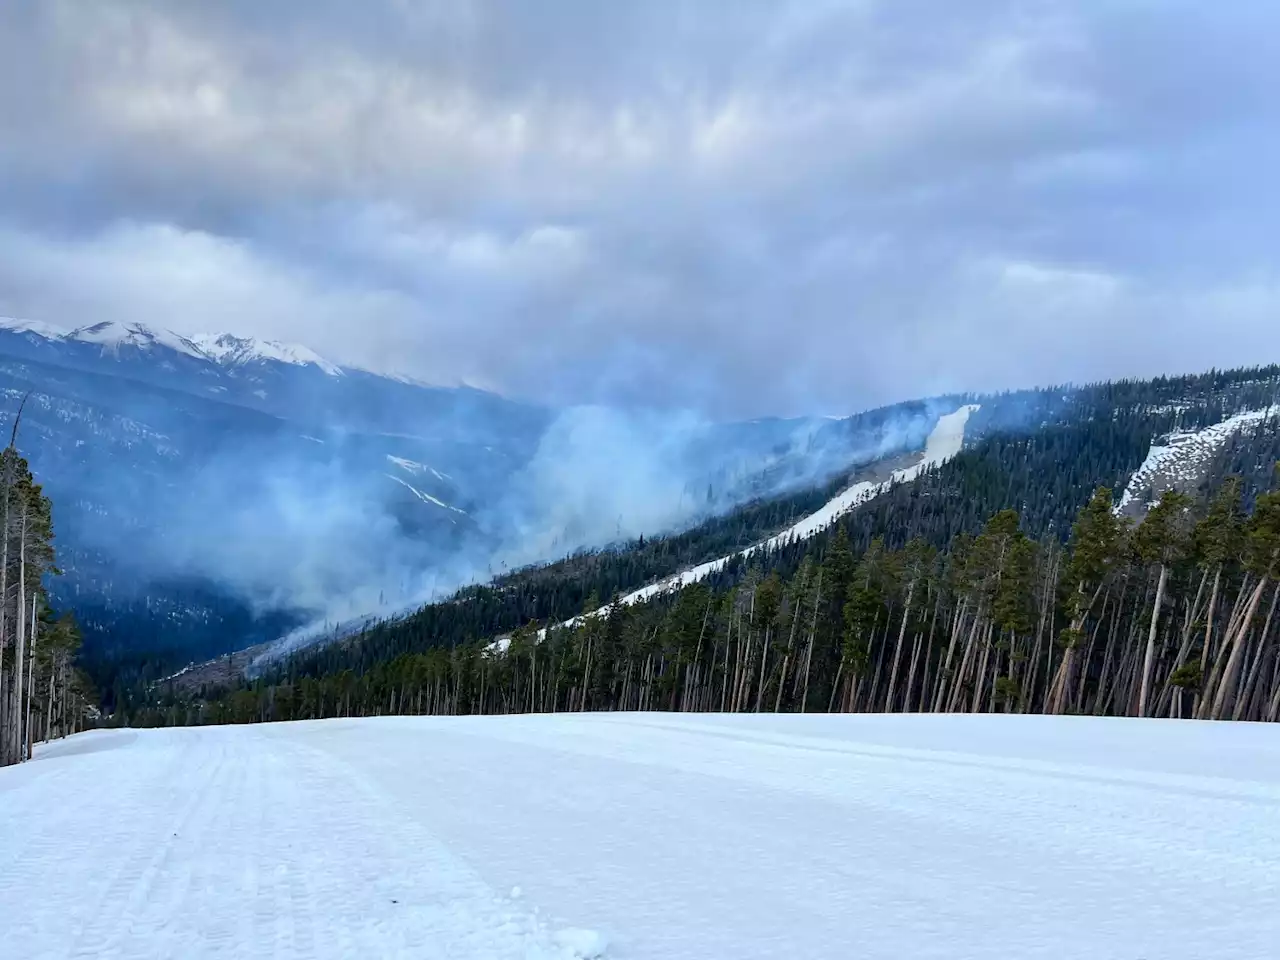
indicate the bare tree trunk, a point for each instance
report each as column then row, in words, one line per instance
column 945, row 667
column 1246, row 696
column 980, row 678
column 20, row 645
column 897, row 650
column 764, row 668
column 1061, row 686
column 786, row 659
column 48, row 716
column 1148, row 660
column 957, row 682
column 697, row 658
column 728, row 642
column 31, row 679
column 1208, row 693
column 835, row 687
column 808, row 658
column 1093, row 641
column 1226, row 688
column 1206, row 650
column 1184, row 648
column 1046, row 610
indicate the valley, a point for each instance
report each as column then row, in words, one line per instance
column 193, row 472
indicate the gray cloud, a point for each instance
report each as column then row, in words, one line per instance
column 740, row 207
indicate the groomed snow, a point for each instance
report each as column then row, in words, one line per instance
column 652, row 837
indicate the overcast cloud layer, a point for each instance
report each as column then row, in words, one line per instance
column 739, row 207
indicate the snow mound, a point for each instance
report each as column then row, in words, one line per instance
column 1182, row 457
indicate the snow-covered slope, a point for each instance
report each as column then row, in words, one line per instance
column 664, row 837
column 111, row 337
column 944, row 442
column 221, row 348
column 1180, row 459
column 231, row 350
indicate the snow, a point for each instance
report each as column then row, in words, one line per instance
column 222, row 348
column 45, row 331
column 425, row 497
column 1184, row 454
column 231, row 350
column 944, row 442
column 111, row 336
column 649, row 837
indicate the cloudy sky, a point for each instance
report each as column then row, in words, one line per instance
column 739, row 207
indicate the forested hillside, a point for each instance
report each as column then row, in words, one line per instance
column 1005, row 579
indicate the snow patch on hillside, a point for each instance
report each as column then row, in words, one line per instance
column 417, row 469
column 1181, row 457
column 944, row 442
column 425, row 497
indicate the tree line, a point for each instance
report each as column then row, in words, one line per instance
column 1172, row 616
column 43, row 694
column 1040, row 451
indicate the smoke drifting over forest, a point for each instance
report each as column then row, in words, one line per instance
column 326, row 540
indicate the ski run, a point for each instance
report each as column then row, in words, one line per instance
column 649, row 837
column 944, row 442
column 1180, row 460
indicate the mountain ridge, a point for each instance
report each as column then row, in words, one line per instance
column 226, row 349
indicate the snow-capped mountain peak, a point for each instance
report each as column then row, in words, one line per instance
column 224, row 349
column 111, row 336
column 230, row 350
column 46, row 331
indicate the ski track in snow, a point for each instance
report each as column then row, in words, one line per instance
column 943, row 443
column 670, row 837
column 1181, row 458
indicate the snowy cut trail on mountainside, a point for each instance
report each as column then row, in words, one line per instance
column 1179, row 462
column 649, row 837
column 944, row 442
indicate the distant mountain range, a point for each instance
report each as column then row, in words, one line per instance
column 216, row 490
